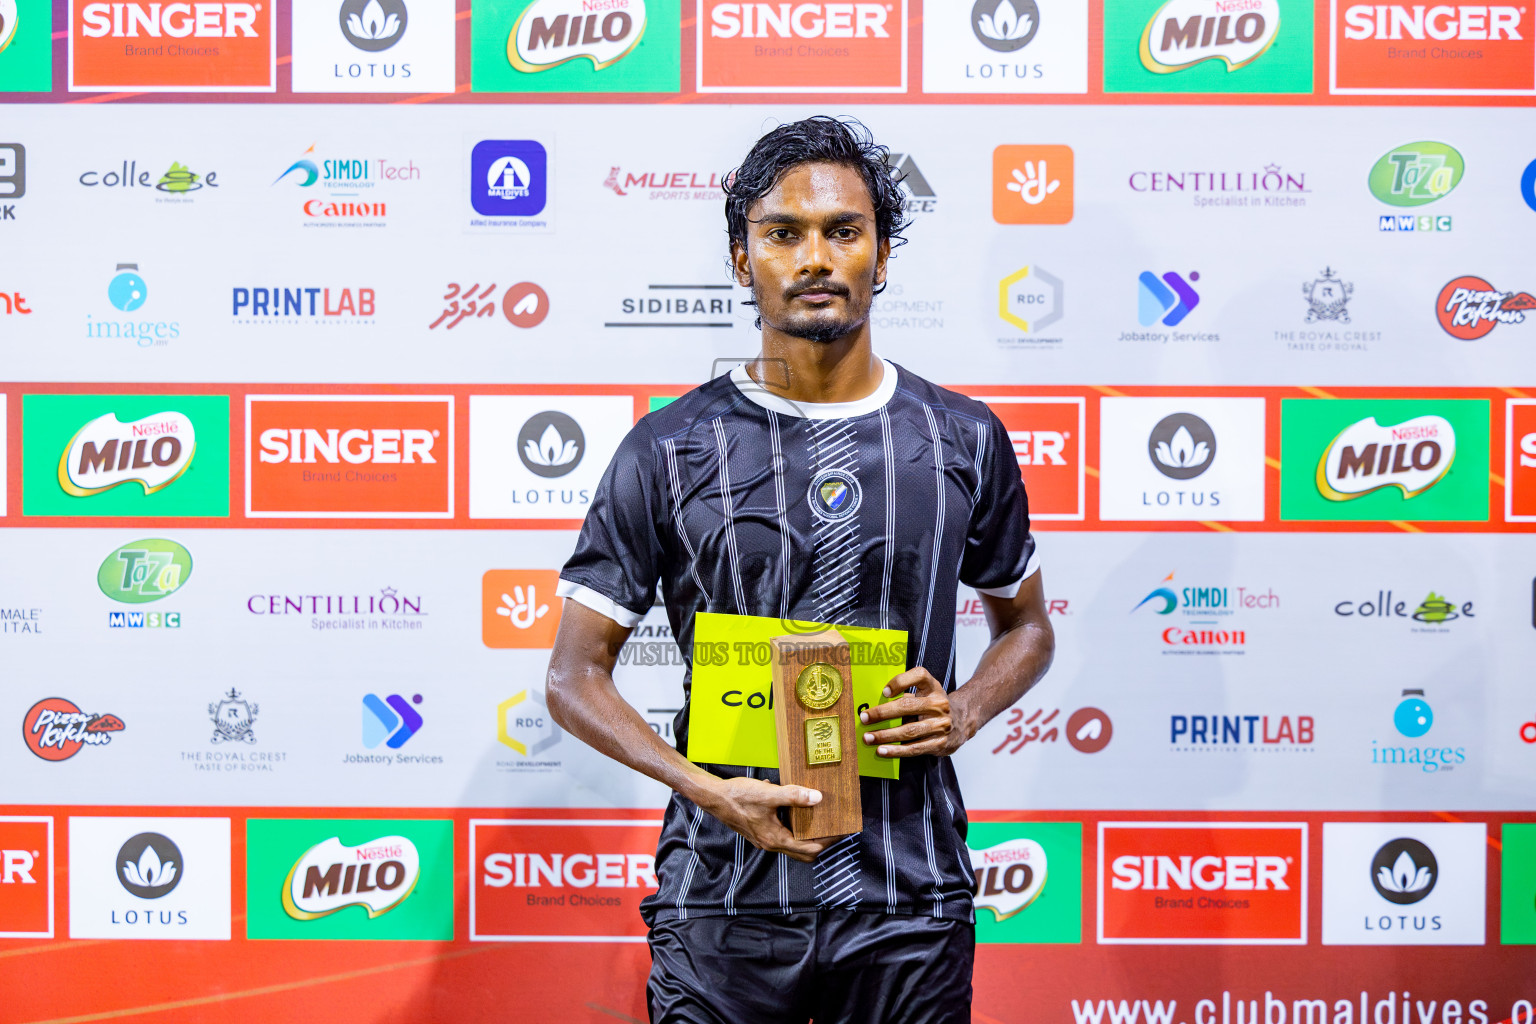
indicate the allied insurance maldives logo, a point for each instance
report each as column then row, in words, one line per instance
column 1433, row 49
column 141, row 46
column 803, row 47
column 349, row 456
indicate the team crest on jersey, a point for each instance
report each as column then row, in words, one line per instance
column 835, row 494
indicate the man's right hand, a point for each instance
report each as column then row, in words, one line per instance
column 751, row 806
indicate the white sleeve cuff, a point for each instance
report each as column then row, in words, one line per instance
column 1012, row 590
column 602, row 605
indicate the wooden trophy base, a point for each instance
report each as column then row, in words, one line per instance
column 813, row 711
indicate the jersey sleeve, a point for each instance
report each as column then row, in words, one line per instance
column 618, row 555
column 999, row 548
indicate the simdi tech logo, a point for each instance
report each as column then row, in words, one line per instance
column 1432, row 49
column 139, row 46
column 1029, row 881
column 26, row 877
column 1384, row 459
column 1209, row 883
column 853, row 47
column 1404, row 883
column 349, row 879
column 26, row 48
column 125, row 455
column 576, row 46
column 375, row 46
column 1208, row 46
column 349, row 456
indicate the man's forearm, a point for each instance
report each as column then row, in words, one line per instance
column 1012, row 664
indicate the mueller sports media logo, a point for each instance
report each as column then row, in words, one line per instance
column 56, row 729
column 1469, row 307
column 349, row 456
column 1047, row 439
column 1404, row 883
column 551, row 32
column 1207, row 884
column 1009, row 876
column 563, row 880
column 664, row 184
column 1268, row 186
column 1184, row 33
column 140, row 46
column 804, row 47
column 316, row 305
column 331, row 876
column 1433, row 49
column 1032, row 184
column 152, row 452
column 26, row 877
column 1245, row 733
column 1412, row 456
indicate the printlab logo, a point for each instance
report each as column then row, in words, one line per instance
column 332, row 307
column 524, row 305
column 372, row 25
column 233, row 718
column 149, row 866
column 1242, row 733
column 1167, row 300
column 391, row 721
column 551, row 444
column 55, row 729
column 508, row 178
column 1032, row 184
column 1001, row 27
column 1404, row 871
column 1469, row 307
column 518, row 608
column 1182, row 446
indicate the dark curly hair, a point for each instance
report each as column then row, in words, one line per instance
column 819, row 139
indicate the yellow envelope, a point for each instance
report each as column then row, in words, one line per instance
column 730, row 719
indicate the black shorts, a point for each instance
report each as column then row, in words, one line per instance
column 829, row 966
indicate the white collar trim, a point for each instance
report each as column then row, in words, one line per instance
column 758, row 395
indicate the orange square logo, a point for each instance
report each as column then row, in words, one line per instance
column 802, row 47
column 143, row 46
column 349, row 457
column 1520, row 451
column 1447, row 48
column 26, row 878
column 518, row 608
column 1047, row 439
column 1032, row 184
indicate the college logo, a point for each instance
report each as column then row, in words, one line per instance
column 1047, row 439
column 1469, row 307
column 1405, row 883
column 26, row 877
column 1383, row 459
column 140, row 46
column 834, row 495
column 1519, row 460
column 1032, row 184
column 1166, row 300
column 519, row 608
column 1184, row 33
column 1189, row 459
column 808, row 47
column 1327, row 297
column 144, row 570
column 149, row 878
column 560, row 881
column 152, row 452
column 1436, row 49
column 541, row 456
column 390, row 721
column 330, row 876
column 1434, row 609
column 508, row 179
column 1209, row 884
column 1028, row 881
column 1215, row 46
column 233, row 717
column 55, row 729
column 1416, row 174
column 349, row 456
column 575, row 46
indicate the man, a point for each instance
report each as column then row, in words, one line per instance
column 821, row 484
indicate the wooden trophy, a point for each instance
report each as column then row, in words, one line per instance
column 813, row 710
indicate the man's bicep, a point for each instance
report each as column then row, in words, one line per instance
column 1025, row 606
column 586, row 639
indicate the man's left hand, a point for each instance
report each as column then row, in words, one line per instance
column 938, row 723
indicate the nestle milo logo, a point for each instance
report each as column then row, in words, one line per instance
column 1416, row 174
column 144, row 571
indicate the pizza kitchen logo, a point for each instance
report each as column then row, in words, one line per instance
column 1469, row 308
column 331, row 876
column 1366, row 456
column 56, row 729
column 1184, row 33
column 153, row 452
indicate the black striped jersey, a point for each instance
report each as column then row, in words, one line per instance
column 865, row 513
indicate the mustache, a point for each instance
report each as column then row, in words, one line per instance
column 821, row 286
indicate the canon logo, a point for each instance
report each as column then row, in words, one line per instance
column 1442, row 22
column 305, row 445
column 16, row 867
column 1211, row 874
column 178, row 21
column 578, row 870
column 803, row 21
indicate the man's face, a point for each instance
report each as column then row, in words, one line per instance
column 812, row 257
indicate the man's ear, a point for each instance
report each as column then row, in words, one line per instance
column 882, row 256
column 739, row 264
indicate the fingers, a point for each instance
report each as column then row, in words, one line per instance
column 911, row 732
column 905, row 706
column 918, row 677
column 793, row 796
column 803, row 850
column 936, row 745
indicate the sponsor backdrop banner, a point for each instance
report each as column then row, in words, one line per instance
column 303, row 405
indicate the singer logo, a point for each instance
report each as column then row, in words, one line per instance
column 1366, row 456
column 560, row 880
column 1046, row 435
column 802, row 47
column 172, row 47
column 1433, row 48
column 349, row 456
column 26, row 878
column 1238, row 883
column 1520, row 463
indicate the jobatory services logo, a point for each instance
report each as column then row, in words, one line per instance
column 1181, row 458
column 1032, row 184
column 1179, row 883
column 552, row 880
column 390, row 721
column 524, row 726
column 374, row 46
column 1029, row 881
column 349, row 456
column 1517, row 886
column 1165, row 300
column 127, row 291
column 1414, row 719
column 1404, row 883
column 1519, row 460
column 149, row 878
column 541, row 456
column 13, row 177
column 26, row 48
column 524, row 305
column 139, row 46
column 1006, row 46
column 1432, row 49
column 1384, row 459
column 349, row 879
column 1047, row 438
column 519, row 608
column 1242, row 733
column 1469, row 308
column 26, row 877
column 56, row 729
column 1031, row 299
column 576, row 46
column 1208, row 46
column 808, row 47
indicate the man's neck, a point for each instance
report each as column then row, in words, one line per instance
column 844, row 370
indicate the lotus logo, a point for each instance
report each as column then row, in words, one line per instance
column 373, row 25
column 331, row 876
column 551, row 444
column 1412, row 456
column 1182, row 446
column 1004, row 25
column 1404, row 871
column 149, row 865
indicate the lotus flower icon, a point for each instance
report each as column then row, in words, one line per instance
column 550, row 449
column 1181, row 446
column 373, row 23
column 1184, row 452
column 149, row 872
column 1404, row 871
column 1404, row 876
column 149, row 865
column 1004, row 23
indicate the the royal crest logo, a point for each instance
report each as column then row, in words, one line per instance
column 55, row 729
column 152, row 452
column 233, row 716
column 1469, row 307
column 835, row 494
column 1009, row 876
column 330, row 876
column 1327, row 297
column 551, row 32
column 1366, row 456
column 1183, row 33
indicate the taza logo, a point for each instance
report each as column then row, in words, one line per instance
column 149, row 865
column 331, row 876
column 1182, row 446
column 1412, row 456
column 1000, row 25
column 55, row 729
column 373, row 25
column 1469, row 307
column 1404, row 871
column 1183, row 33
column 551, row 32
column 551, row 444
column 1416, row 173
column 144, row 570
